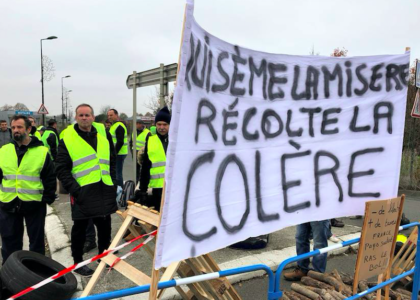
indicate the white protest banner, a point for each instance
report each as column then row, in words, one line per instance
column 261, row 141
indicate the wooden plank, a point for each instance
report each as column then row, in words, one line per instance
column 196, row 267
column 185, row 271
column 135, row 275
column 92, row 282
column 215, row 268
column 168, row 274
column 145, row 215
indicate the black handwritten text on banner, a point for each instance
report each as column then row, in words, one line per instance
column 262, row 141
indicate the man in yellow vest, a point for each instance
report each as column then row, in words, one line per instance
column 27, row 183
column 142, row 134
column 34, row 131
column 50, row 138
column 118, row 132
column 154, row 161
column 85, row 166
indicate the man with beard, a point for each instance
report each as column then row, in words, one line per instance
column 86, row 167
column 34, row 131
column 154, row 161
column 27, row 183
column 50, row 138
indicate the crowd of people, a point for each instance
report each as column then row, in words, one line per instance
column 88, row 159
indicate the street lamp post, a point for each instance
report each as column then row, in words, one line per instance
column 42, row 74
column 67, row 102
column 62, row 100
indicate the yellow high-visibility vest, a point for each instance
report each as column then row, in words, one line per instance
column 141, row 139
column 157, row 157
column 37, row 135
column 44, row 138
column 124, row 148
column 88, row 166
column 100, row 128
column 23, row 181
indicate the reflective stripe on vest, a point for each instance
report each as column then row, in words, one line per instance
column 45, row 136
column 124, row 148
column 157, row 156
column 141, row 139
column 23, row 181
column 88, row 166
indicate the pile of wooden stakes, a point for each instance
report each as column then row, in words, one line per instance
column 141, row 219
column 335, row 286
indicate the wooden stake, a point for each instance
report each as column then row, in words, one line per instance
column 155, row 273
column 387, row 274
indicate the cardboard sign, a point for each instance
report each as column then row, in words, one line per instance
column 377, row 242
column 261, row 141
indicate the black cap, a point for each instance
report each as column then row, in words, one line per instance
column 163, row 115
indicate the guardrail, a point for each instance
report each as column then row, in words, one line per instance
column 274, row 291
column 416, row 270
column 188, row 280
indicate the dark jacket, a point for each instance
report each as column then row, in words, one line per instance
column 93, row 200
column 140, row 195
column 120, row 134
column 52, row 142
column 48, row 179
column 5, row 137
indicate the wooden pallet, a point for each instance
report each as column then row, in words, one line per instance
column 404, row 259
column 139, row 220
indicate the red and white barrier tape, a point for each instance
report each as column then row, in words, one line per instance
column 131, row 252
column 84, row 263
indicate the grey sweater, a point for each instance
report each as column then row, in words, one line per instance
column 5, row 137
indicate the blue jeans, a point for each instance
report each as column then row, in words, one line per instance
column 120, row 167
column 319, row 230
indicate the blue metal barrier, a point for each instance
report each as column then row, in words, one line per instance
column 188, row 280
column 416, row 270
column 274, row 291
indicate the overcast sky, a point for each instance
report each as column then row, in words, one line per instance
column 101, row 42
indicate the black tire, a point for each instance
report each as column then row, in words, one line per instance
column 25, row 268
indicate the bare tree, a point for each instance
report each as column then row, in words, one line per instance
column 20, row 106
column 48, row 68
column 17, row 106
column 312, row 52
column 154, row 101
column 6, row 107
column 104, row 110
column 123, row 116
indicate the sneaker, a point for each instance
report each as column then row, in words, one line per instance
column 336, row 223
column 334, row 239
column 84, row 271
column 57, row 197
column 89, row 246
column 295, row 275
